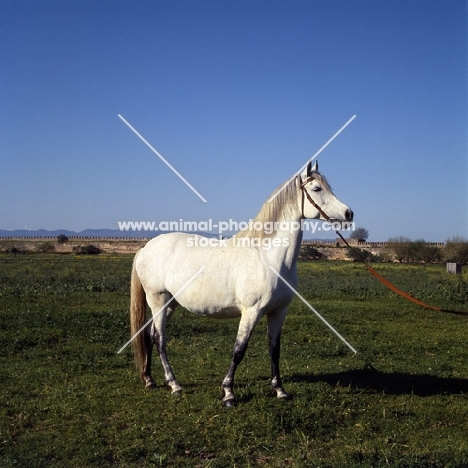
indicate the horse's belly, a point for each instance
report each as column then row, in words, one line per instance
column 228, row 312
column 210, row 301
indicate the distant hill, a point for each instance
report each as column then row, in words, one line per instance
column 88, row 233
column 85, row 233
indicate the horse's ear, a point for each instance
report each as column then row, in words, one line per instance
column 298, row 181
column 315, row 168
column 306, row 172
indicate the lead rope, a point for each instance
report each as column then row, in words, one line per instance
column 383, row 280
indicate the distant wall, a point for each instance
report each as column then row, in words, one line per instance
column 337, row 242
column 75, row 238
column 314, row 241
column 107, row 244
column 384, row 244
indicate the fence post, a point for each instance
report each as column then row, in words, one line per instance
column 454, row 268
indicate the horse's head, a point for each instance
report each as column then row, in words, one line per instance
column 317, row 198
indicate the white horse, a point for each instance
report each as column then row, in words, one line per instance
column 238, row 277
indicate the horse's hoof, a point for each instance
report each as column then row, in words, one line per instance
column 150, row 384
column 229, row 403
column 281, row 393
column 177, row 392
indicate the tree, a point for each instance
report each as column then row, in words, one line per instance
column 45, row 247
column 406, row 250
column 421, row 251
column 86, row 250
column 359, row 255
column 360, row 234
column 456, row 250
column 400, row 248
column 308, row 252
column 62, row 238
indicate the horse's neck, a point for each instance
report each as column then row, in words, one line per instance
column 284, row 255
column 284, row 213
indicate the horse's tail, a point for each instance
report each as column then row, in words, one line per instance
column 137, row 318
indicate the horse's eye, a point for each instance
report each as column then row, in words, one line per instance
column 317, row 188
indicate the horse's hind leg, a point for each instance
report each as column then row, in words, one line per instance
column 149, row 341
column 160, row 316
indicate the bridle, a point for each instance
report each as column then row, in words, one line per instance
column 311, row 201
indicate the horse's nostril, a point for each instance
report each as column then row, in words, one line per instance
column 349, row 215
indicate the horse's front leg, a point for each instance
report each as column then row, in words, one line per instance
column 275, row 324
column 246, row 326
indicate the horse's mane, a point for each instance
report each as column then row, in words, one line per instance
column 283, row 207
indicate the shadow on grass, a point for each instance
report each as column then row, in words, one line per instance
column 395, row 383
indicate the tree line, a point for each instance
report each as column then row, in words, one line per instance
column 400, row 249
column 408, row 251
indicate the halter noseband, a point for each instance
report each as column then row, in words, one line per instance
column 304, row 191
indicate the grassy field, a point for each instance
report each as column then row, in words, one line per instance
column 69, row 400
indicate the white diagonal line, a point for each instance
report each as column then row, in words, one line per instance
column 314, row 311
column 333, row 137
column 313, row 157
column 162, row 159
column 159, row 311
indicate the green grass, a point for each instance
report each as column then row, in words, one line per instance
column 68, row 399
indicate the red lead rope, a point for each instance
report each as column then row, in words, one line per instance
column 400, row 292
column 371, row 270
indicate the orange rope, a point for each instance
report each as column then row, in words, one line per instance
column 370, row 269
column 400, row 292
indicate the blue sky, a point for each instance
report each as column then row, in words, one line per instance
column 236, row 96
